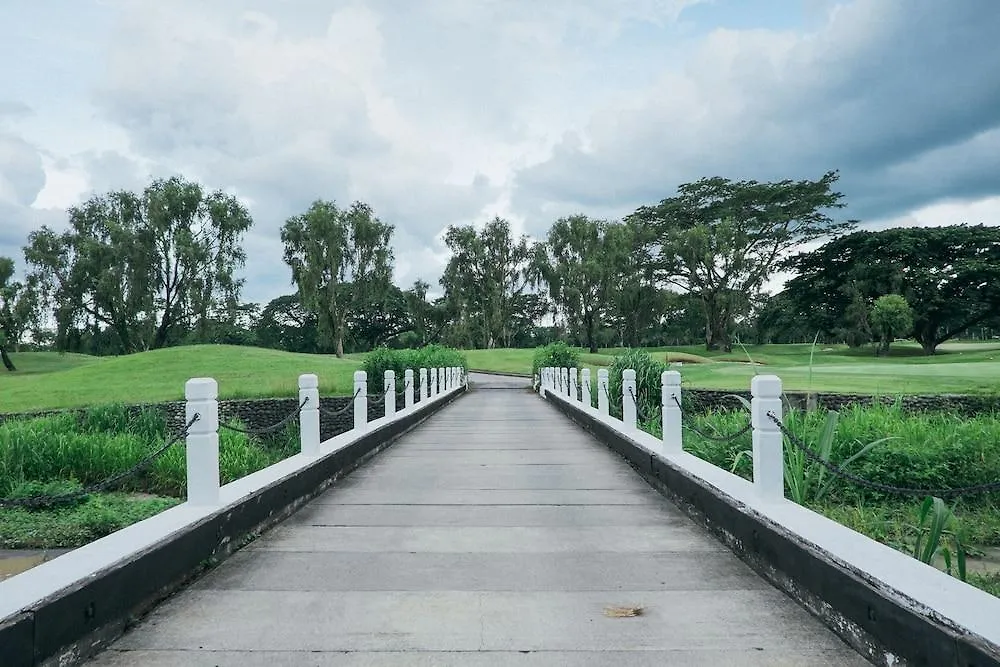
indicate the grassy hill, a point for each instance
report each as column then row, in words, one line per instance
column 47, row 380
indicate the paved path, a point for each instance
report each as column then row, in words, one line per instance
column 497, row 533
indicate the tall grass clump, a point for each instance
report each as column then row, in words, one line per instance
column 881, row 442
column 554, row 355
column 68, row 451
column 382, row 359
column 647, row 385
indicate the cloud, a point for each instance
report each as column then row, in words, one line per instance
column 450, row 111
column 902, row 97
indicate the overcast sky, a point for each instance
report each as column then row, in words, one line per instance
column 452, row 111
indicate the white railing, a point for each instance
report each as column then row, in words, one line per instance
column 205, row 496
column 958, row 603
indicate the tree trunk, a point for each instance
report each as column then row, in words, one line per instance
column 338, row 338
column 8, row 364
column 591, row 343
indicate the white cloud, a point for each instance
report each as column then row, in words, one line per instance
column 452, row 111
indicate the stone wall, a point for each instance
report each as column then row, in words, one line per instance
column 255, row 413
column 700, row 400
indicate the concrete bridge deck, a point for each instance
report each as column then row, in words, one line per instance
column 496, row 533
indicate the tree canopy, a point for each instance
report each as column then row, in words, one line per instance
column 722, row 239
column 142, row 265
column 950, row 277
column 328, row 248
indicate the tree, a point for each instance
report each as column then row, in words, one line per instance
column 486, row 275
column 285, row 324
column 142, row 265
column 722, row 239
column 891, row 317
column 18, row 310
column 327, row 247
column 950, row 277
column 579, row 272
column 380, row 320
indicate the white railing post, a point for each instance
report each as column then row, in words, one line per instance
column 309, row 413
column 390, row 394
column 360, row 400
column 434, row 381
column 628, row 398
column 440, row 374
column 408, row 390
column 602, row 390
column 425, row 387
column 768, row 454
column 670, row 383
column 585, row 388
column 572, row 384
column 564, row 374
column 451, row 377
column 202, row 441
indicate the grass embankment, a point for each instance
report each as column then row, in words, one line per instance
column 957, row 368
column 48, row 380
column 62, row 453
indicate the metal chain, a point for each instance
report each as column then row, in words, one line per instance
column 47, row 500
column 716, row 438
column 638, row 411
column 878, row 486
column 267, row 429
column 380, row 401
column 337, row 413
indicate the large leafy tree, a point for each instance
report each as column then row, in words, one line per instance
column 950, row 277
column 140, row 266
column 722, row 239
column 284, row 324
column 574, row 273
column 327, row 248
column 487, row 274
column 18, row 310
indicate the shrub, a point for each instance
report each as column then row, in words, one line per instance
column 555, row 355
column 382, row 359
column 647, row 385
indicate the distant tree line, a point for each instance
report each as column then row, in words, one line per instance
column 139, row 271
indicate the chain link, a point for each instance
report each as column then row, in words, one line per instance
column 48, row 500
column 878, row 486
column 337, row 413
column 267, row 429
column 642, row 417
column 715, row 438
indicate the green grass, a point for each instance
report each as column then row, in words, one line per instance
column 51, row 381
column 75, row 526
column 59, row 454
column 959, row 368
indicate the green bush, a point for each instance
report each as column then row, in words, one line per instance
column 555, row 355
column 647, row 384
column 382, row 359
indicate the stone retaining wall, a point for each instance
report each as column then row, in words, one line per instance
column 701, row 400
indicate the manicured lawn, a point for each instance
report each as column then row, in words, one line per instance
column 50, row 380
column 959, row 368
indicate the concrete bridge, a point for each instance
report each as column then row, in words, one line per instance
column 498, row 529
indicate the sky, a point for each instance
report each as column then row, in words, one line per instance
column 439, row 112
